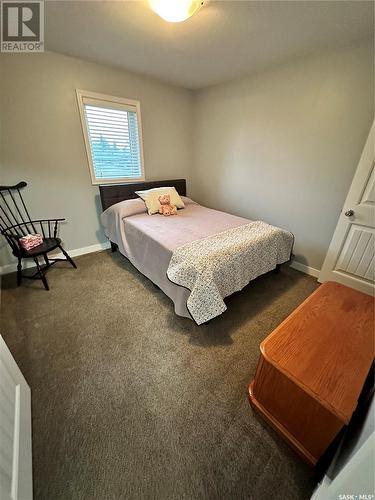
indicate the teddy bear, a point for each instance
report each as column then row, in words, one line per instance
column 165, row 205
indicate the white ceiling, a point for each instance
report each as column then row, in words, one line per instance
column 224, row 40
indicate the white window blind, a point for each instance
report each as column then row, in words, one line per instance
column 113, row 139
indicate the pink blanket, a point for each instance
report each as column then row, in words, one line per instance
column 148, row 241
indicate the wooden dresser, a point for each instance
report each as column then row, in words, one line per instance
column 313, row 366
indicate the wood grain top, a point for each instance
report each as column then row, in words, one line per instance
column 327, row 346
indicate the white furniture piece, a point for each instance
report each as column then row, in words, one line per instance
column 350, row 259
column 354, row 477
column 15, row 430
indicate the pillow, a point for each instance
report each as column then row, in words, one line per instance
column 150, row 197
column 188, row 201
column 126, row 208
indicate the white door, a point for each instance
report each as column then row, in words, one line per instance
column 15, row 430
column 350, row 257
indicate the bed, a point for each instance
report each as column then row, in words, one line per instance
column 196, row 258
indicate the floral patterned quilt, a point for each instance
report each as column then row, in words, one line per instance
column 217, row 266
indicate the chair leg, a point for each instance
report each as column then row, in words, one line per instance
column 113, row 247
column 46, row 259
column 41, row 274
column 68, row 258
column 19, row 272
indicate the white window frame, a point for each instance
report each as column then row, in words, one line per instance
column 81, row 94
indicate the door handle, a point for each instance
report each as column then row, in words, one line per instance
column 349, row 213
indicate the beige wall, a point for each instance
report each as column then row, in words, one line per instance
column 41, row 138
column 283, row 145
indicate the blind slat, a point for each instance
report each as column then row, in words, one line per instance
column 109, row 106
column 110, row 120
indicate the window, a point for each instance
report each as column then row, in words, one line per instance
column 113, row 138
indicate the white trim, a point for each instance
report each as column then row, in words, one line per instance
column 11, row 268
column 81, row 94
column 90, row 249
column 27, row 264
column 311, row 271
column 16, row 443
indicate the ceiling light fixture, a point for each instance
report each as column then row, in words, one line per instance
column 175, row 11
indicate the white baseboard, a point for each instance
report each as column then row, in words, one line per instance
column 311, row 271
column 27, row 264
column 90, row 249
column 10, row 268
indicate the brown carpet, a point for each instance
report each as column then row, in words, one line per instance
column 131, row 401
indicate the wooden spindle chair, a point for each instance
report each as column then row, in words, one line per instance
column 15, row 222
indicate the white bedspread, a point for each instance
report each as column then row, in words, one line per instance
column 214, row 267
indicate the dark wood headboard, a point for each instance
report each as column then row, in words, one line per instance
column 111, row 194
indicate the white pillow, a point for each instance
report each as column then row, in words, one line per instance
column 151, row 198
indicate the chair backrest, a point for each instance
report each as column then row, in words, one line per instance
column 14, row 216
